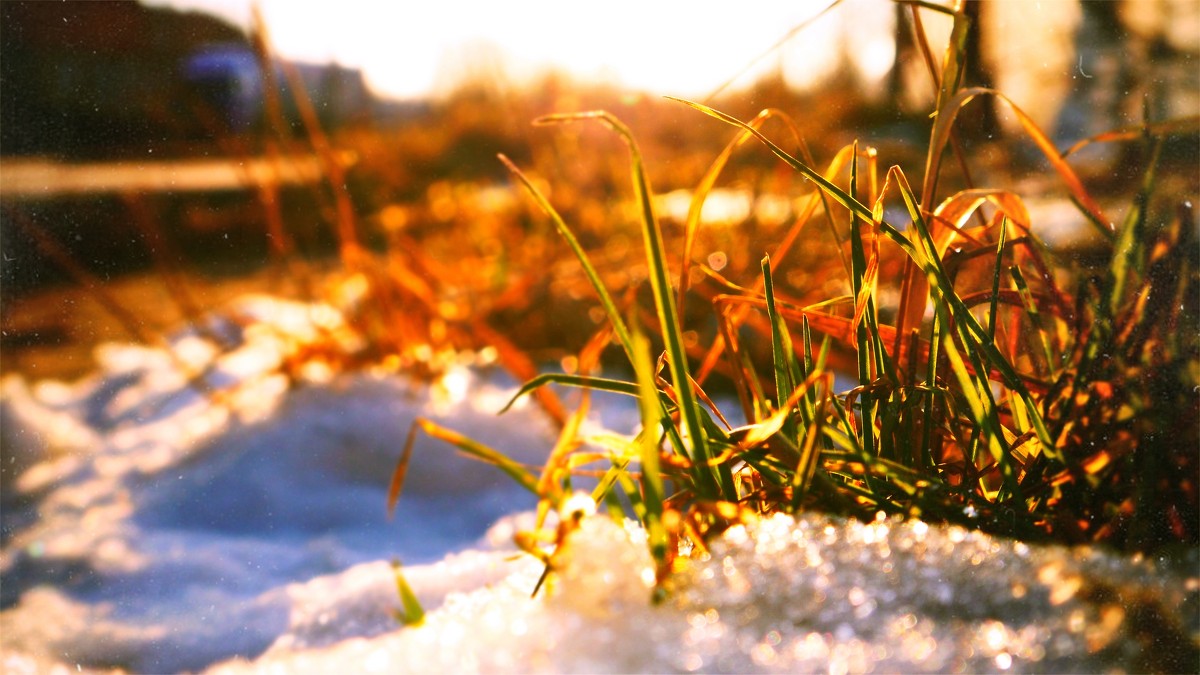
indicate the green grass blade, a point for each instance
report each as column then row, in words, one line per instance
column 782, row 354
column 858, row 262
column 931, row 368
column 1035, row 317
column 953, row 67
column 923, row 252
column 810, row 454
column 652, row 483
column 606, row 301
column 1128, row 252
column 983, row 414
column 604, row 488
column 664, row 302
column 581, row 381
column 410, row 613
column 832, row 190
column 994, row 303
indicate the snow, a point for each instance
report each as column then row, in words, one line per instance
column 190, row 508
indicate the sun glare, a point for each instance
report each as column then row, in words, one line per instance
column 411, row 50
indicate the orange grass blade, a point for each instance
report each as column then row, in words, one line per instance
column 709, row 362
column 955, row 211
column 945, row 122
column 696, row 207
column 841, row 329
column 396, row 486
column 915, row 287
column 1179, row 125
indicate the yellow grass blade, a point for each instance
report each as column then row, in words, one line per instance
column 469, row 447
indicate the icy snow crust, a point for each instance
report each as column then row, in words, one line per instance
column 152, row 527
column 818, row 594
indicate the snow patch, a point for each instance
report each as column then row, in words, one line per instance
column 192, row 508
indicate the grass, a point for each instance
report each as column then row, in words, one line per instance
column 924, row 354
column 1009, row 392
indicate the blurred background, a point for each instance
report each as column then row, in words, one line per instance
column 186, row 140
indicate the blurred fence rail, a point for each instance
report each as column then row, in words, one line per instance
column 29, row 180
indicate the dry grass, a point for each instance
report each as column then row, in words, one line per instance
column 997, row 384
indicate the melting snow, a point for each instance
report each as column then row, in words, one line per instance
column 151, row 526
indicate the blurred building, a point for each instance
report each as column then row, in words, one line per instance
column 228, row 79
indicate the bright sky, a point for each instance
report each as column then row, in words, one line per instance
column 409, row 49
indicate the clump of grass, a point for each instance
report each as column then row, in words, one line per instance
column 997, row 399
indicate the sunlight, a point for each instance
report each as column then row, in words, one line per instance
column 411, row 50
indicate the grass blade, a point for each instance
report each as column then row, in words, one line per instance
column 582, row 381
column 949, row 81
column 664, row 301
column 469, row 447
column 1035, row 317
column 1129, row 247
column 971, row 333
column 945, row 122
column 983, row 413
column 994, row 303
column 410, row 613
column 783, row 356
column 652, row 484
column 914, row 288
column 1179, row 125
column 862, row 293
column 397, row 483
column 606, row 301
